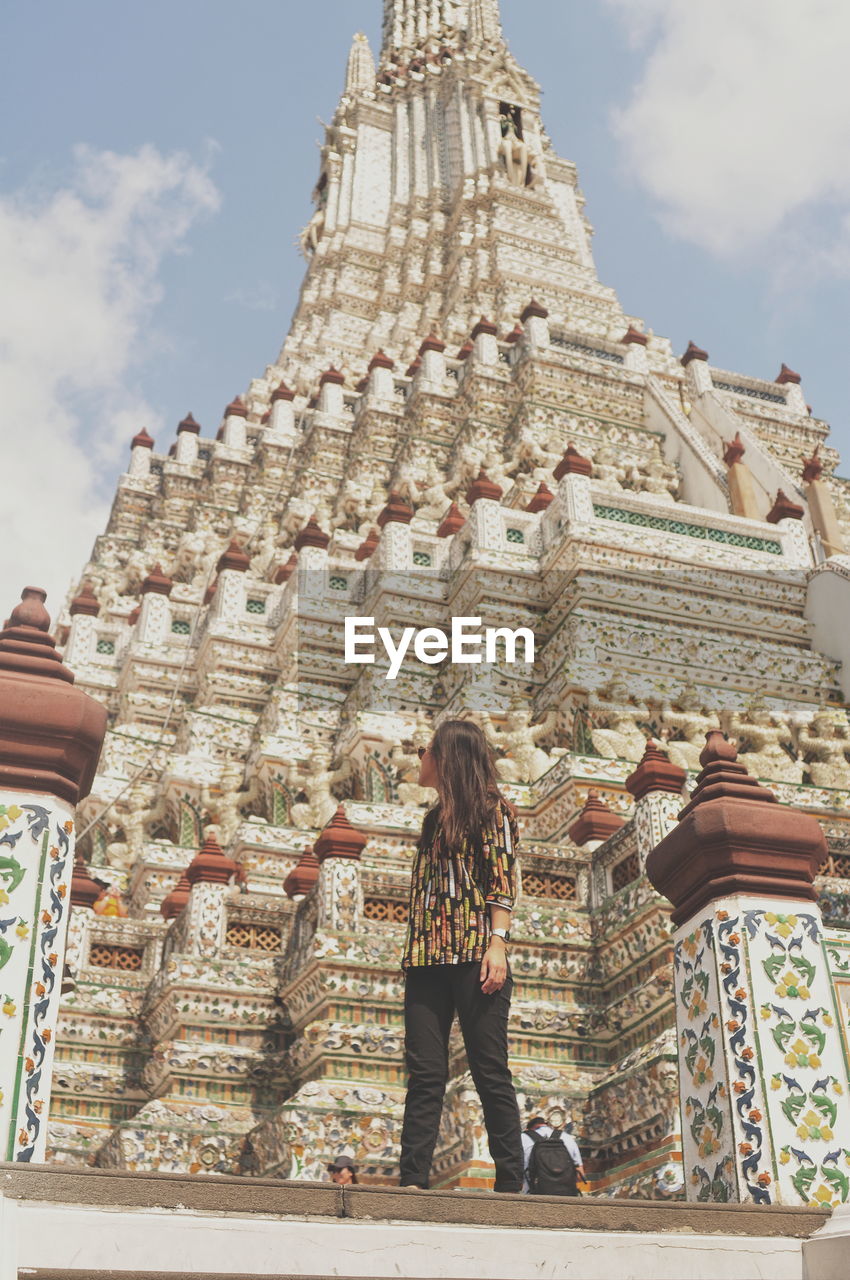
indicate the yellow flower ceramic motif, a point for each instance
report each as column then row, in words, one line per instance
column 781, row 924
column 824, row 1195
column 800, row 1055
column 790, row 988
column 784, row 1157
column 4, row 897
column 812, row 1126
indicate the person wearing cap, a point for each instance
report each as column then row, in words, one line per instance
column 343, row 1171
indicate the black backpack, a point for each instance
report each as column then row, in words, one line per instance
column 551, row 1168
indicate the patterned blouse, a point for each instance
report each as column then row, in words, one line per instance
column 449, row 897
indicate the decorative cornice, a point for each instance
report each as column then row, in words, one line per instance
column 51, row 733
column 734, row 838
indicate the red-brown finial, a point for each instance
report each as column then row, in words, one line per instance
column 655, row 773
column 786, row 376
column 332, row 376
column 285, row 571
column 733, row 838
column 86, row 602
column 573, row 464
column 397, row 511
column 234, row 558
column 189, row 425
column 542, row 499
column 173, row 904
column 236, row 408
column 432, row 343
column 210, row 865
column 339, row 839
column 693, row 353
column 534, row 310
column 483, row 487
column 142, row 440
column 813, row 467
column 85, row 890
column 380, row 360
column 595, row 822
column 784, row 509
column 484, row 326
column 734, row 450
column 368, row 545
column 157, row 583
column 312, row 535
column 303, row 875
column 282, row 392
column 633, row 335
column 453, row 521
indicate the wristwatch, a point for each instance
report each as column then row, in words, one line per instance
column 504, row 934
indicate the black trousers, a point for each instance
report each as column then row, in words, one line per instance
column 433, row 994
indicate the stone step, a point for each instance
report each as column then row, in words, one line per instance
column 65, row 1224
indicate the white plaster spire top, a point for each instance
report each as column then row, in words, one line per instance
column 484, row 24
column 407, row 23
column 360, row 73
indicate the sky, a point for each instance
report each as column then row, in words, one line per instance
column 156, row 165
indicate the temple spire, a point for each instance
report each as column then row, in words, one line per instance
column 360, row 73
column 407, row 23
column 484, row 24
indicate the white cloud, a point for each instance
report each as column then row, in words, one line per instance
column 81, row 269
column 739, row 123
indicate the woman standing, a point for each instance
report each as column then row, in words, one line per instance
column 455, row 957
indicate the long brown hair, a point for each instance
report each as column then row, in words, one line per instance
column 469, row 787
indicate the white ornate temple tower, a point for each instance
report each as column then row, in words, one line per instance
column 461, row 421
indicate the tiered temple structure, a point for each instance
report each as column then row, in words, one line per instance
column 462, row 421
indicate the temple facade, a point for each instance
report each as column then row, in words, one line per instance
column 462, row 422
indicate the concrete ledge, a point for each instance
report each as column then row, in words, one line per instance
column 589, row 1214
column 108, row 1188
column 104, row 1188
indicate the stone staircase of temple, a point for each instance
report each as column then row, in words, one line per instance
column 70, row 1224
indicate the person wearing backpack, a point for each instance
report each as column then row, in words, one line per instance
column 553, row 1164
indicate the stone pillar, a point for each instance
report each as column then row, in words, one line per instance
column 657, row 786
column 821, row 506
column 50, row 740
column 573, row 476
column 229, row 600
column 140, row 455
column 338, row 851
column 82, row 636
column 282, row 419
column 794, row 398
column 764, row 1085
column 432, row 355
column 485, row 517
column 636, row 343
column 535, row 320
column 695, row 360
column 485, row 346
column 154, row 624
column 395, row 547
column 233, row 431
column 209, row 874
column 312, row 544
column 381, row 380
column 187, row 440
column 330, row 392
column 742, row 488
